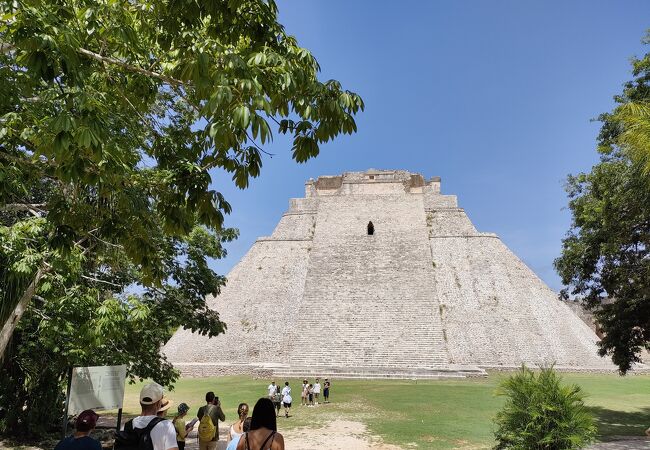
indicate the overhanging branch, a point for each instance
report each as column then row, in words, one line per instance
column 130, row 67
column 36, row 209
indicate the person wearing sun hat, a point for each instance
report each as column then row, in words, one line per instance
column 157, row 430
column 182, row 429
column 80, row 440
column 164, row 406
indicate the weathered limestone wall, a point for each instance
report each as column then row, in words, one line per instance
column 449, row 222
column 258, row 303
column 496, row 311
column 367, row 299
column 294, row 225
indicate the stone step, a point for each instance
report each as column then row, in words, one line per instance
column 376, row 372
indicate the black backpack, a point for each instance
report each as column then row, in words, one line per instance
column 135, row 438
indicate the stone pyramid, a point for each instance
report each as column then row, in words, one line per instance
column 377, row 274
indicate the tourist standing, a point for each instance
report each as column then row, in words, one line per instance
column 326, row 391
column 246, row 426
column 272, row 389
column 303, row 393
column 237, row 428
column 264, row 430
column 164, row 406
column 180, row 426
column 317, row 390
column 310, row 394
column 210, row 425
column 81, row 440
column 277, row 402
column 156, row 430
column 286, row 398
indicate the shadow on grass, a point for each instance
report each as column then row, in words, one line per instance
column 620, row 423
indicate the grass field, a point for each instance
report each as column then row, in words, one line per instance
column 424, row 414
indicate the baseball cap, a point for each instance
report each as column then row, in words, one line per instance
column 86, row 420
column 151, row 393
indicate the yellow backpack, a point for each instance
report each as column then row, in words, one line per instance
column 207, row 429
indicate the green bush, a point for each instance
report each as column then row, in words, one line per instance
column 541, row 413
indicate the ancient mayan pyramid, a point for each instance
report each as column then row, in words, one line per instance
column 378, row 274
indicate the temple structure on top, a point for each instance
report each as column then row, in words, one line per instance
column 379, row 274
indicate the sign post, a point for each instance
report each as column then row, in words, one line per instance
column 67, row 403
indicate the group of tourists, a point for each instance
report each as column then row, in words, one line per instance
column 152, row 430
column 309, row 395
column 247, row 433
column 280, row 398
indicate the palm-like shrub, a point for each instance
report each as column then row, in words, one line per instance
column 542, row 413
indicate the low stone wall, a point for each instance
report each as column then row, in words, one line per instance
column 216, row 370
column 570, row 369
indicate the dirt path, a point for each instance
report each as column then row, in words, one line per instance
column 336, row 435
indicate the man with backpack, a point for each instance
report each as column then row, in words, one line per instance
column 147, row 431
column 209, row 417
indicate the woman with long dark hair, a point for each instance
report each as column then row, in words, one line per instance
column 263, row 434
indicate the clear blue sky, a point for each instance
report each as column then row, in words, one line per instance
column 496, row 97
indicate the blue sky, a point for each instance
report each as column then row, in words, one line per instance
column 496, row 97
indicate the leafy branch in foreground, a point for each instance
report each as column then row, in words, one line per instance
column 115, row 119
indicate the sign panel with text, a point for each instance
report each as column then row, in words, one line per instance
column 97, row 388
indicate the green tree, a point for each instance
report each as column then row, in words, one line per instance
column 605, row 258
column 111, row 99
column 541, row 413
column 112, row 115
column 630, row 120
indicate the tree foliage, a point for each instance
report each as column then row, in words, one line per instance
column 112, row 116
column 630, row 120
column 605, row 257
column 542, row 413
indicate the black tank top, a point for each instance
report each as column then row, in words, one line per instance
column 270, row 436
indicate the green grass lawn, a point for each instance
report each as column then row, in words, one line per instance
column 424, row 414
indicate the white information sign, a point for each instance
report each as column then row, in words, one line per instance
column 97, row 388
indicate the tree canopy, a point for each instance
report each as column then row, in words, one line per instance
column 630, row 121
column 112, row 115
column 605, row 257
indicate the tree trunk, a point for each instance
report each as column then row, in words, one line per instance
column 10, row 324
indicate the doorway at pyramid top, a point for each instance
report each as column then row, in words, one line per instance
column 371, row 229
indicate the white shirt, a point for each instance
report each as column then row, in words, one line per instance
column 317, row 388
column 273, row 388
column 286, row 394
column 163, row 435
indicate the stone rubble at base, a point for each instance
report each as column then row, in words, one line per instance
column 425, row 296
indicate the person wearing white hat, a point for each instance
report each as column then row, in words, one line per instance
column 157, row 430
